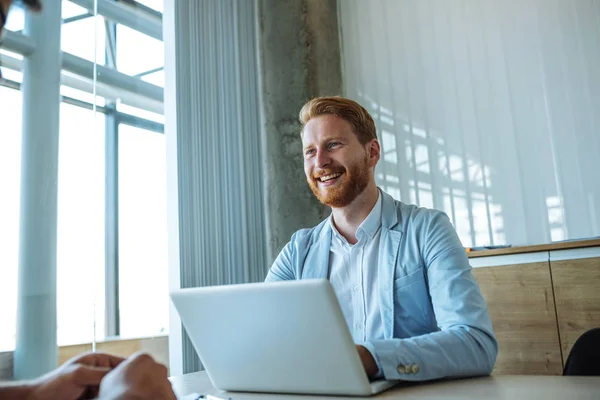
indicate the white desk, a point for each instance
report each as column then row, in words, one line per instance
column 494, row 387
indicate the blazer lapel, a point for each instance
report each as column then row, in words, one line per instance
column 316, row 265
column 388, row 256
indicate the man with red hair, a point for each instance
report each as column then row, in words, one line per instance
column 400, row 273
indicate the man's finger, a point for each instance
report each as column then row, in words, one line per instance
column 99, row 360
column 84, row 375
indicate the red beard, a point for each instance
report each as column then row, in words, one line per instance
column 354, row 181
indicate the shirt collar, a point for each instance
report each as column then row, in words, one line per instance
column 372, row 223
column 338, row 238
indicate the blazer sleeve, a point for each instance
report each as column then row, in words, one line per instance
column 282, row 268
column 465, row 344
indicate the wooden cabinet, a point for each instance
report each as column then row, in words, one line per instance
column 577, row 293
column 521, row 306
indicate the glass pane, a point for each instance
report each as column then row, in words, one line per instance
column 136, row 52
column 9, row 65
column 157, row 5
column 80, row 252
column 155, row 78
column 10, row 167
column 142, row 233
column 70, row 10
column 78, row 37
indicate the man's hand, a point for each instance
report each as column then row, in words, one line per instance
column 368, row 361
column 139, row 377
column 78, row 378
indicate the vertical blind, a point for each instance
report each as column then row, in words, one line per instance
column 486, row 109
column 221, row 215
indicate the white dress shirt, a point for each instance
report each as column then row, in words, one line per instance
column 353, row 275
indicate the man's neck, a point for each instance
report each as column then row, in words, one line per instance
column 348, row 219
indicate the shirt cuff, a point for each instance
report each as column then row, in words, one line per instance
column 371, row 347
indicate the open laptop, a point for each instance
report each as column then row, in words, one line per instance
column 280, row 337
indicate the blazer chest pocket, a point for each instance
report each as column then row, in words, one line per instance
column 411, row 299
column 409, row 279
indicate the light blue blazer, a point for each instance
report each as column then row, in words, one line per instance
column 436, row 323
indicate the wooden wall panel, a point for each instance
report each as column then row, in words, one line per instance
column 158, row 347
column 6, row 365
column 577, row 292
column 521, row 306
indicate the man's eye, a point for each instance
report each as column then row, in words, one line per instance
column 309, row 152
column 333, row 144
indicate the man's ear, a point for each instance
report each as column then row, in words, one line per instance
column 374, row 152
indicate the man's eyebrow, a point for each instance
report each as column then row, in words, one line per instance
column 334, row 137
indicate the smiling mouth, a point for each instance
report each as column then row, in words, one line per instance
column 330, row 177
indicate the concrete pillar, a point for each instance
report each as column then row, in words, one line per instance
column 299, row 54
column 36, row 348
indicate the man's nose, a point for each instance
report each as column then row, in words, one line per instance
column 323, row 159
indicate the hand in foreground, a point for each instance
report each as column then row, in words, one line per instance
column 368, row 361
column 78, row 378
column 138, row 377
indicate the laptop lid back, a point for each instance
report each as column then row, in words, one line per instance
column 283, row 337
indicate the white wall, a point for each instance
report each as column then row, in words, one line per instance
column 486, row 109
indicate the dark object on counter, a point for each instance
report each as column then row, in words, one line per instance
column 584, row 358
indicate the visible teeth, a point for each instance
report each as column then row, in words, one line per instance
column 328, row 177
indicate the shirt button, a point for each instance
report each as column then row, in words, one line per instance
column 414, row 368
column 401, row 369
column 355, row 288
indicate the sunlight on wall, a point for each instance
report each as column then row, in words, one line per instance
column 484, row 110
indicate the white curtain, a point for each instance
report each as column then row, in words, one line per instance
column 486, row 109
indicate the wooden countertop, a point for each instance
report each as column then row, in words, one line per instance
column 576, row 244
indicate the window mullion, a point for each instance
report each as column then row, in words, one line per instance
column 111, row 201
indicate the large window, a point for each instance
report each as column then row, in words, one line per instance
column 80, row 251
column 142, row 233
column 111, row 239
column 10, row 161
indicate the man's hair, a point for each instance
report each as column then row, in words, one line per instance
column 350, row 111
